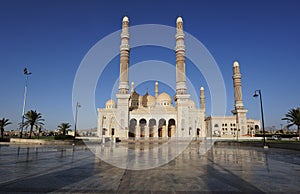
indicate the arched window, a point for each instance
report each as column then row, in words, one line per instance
column 216, row 125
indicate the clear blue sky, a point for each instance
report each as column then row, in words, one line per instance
column 51, row 37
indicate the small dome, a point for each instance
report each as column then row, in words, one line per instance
column 110, row 104
column 236, row 64
column 125, row 19
column 201, row 88
column 179, row 19
column 164, row 97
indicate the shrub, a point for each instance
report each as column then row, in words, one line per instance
column 63, row 137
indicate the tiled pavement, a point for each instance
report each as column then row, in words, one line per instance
column 223, row 169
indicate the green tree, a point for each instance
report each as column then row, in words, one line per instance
column 64, row 127
column 39, row 131
column 3, row 122
column 33, row 119
column 293, row 116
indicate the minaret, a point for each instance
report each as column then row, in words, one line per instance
column 237, row 85
column 156, row 89
column 239, row 111
column 122, row 113
column 201, row 124
column 202, row 99
column 124, row 57
column 132, row 87
column 182, row 99
column 180, row 58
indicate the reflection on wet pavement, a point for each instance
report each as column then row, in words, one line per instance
column 61, row 169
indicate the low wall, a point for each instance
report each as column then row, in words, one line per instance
column 281, row 145
column 40, row 141
column 285, row 145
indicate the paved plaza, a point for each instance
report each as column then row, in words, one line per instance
column 222, row 169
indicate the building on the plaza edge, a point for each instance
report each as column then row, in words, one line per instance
column 134, row 115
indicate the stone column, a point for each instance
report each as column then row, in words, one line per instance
column 155, row 131
column 164, row 131
column 172, row 131
column 137, row 132
column 146, row 131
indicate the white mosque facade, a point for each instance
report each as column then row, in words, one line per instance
column 134, row 116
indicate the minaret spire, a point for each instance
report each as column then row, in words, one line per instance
column 180, row 58
column 132, row 87
column 156, row 89
column 181, row 97
column 124, row 57
column 202, row 98
column 239, row 111
column 122, row 113
column 237, row 84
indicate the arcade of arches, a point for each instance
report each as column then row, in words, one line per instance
column 152, row 128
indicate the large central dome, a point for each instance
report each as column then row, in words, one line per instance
column 164, row 99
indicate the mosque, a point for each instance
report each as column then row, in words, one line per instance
column 134, row 116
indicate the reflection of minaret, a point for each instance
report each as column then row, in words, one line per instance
column 156, row 89
column 180, row 58
column 123, row 96
column 239, row 111
column 181, row 98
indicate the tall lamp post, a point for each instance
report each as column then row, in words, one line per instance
column 26, row 73
column 76, row 114
column 262, row 114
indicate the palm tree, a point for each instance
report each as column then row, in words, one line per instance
column 39, row 131
column 293, row 116
column 3, row 122
column 33, row 119
column 63, row 127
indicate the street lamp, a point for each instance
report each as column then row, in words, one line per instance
column 26, row 73
column 262, row 114
column 76, row 114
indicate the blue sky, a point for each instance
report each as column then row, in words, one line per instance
column 51, row 38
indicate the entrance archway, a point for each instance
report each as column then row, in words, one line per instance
column 161, row 126
column 143, row 123
column 152, row 123
column 171, row 127
column 132, row 126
